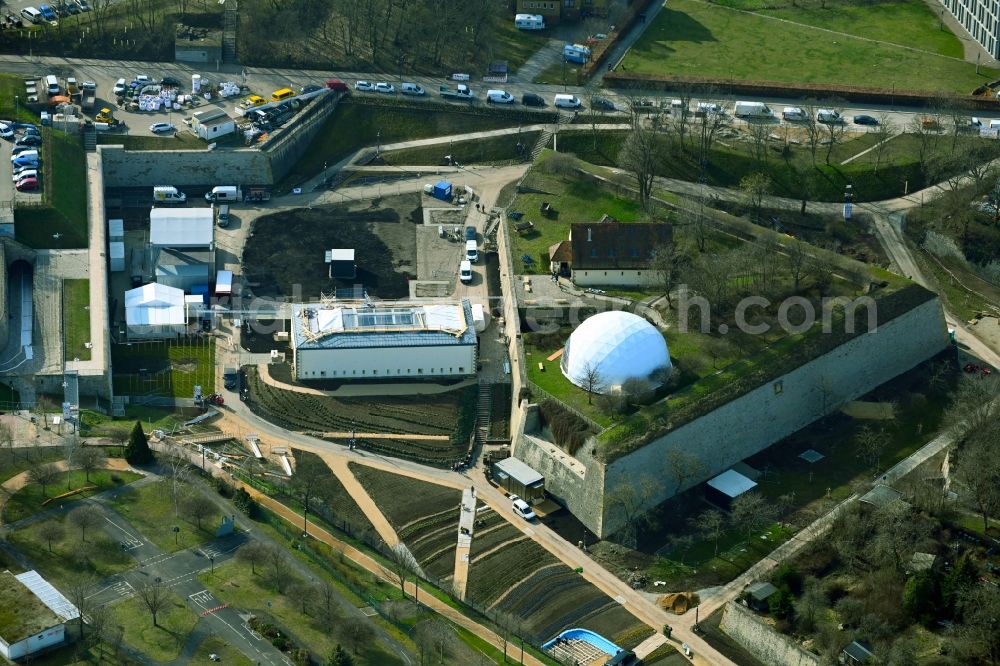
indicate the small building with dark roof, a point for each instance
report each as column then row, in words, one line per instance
column 856, row 653
column 881, row 496
column 724, row 488
column 610, row 253
column 758, row 595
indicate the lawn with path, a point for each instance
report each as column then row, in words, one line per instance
column 170, row 368
column 71, row 558
column 696, row 38
column 31, row 499
column 150, row 509
column 491, row 150
column 62, row 222
column 164, row 641
column 76, row 319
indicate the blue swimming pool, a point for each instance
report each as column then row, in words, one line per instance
column 598, row 641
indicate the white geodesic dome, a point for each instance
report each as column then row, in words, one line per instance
column 619, row 346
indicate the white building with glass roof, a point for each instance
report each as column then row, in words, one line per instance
column 363, row 341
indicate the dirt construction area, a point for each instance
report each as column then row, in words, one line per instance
column 284, row 252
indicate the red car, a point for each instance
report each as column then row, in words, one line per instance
column 27, row 185
column 337, row 85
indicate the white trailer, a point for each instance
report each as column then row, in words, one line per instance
column 752, row 110
column 529, row 22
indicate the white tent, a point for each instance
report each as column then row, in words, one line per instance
column 154, row 311
column 180, row 227
column 614, row 347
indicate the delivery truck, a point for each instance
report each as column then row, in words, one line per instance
column 461, row 92
column 747, row 110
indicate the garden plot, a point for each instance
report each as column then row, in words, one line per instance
column 523, row 579
column 284, row 253
column 170, row 369
column 435, row 414
column 337, row 507
column 432, row 541
column 406, row 501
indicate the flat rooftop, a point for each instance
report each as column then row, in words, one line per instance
column 22, row 614
column 355, row 325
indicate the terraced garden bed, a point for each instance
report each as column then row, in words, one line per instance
column 432, row 541
column 549, row 600
column 450, row 414
column 336, row 506
column 406, row 501
column 485, row 540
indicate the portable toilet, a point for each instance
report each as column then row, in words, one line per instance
column 116, row 255
column 442, row 190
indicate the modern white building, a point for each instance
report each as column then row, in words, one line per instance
column 610, row 348
column 212, row 124
column 35, row 616
column 356, row 340
column 981, row 19
column 155, row 312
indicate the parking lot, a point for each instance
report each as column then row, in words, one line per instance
column 7, row 190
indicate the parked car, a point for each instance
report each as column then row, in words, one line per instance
column 17, row 170
column 384, row 87
column 412, row 89
column 603, row 104
column 19, row 149
column 470, row 233
column 142, row 79
column 865, row 120
column 120, row 87
column 531, row 99
column 72, row 7
column 6, row 132
column 26, row 185
column 522, row 508
column 161, row 128
column 794, row 113
column 29, row 140
column 171, row 81
column 25, row 160
column 47, row 12
column 82, row 4
column 311, row 88
column 364, row 86
column 22, row 174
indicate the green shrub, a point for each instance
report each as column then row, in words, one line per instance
column 568, row 429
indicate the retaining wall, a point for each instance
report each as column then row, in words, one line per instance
column 4, row 314
column 761, row 640
column 748, row 424
column 287, row 148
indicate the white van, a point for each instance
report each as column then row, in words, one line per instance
column 529, row 22
column 499, row 97
column 471, row 251
column 794, row 113
column 752, row 110
column 828, row 116
column 412, row 89
column 223, row 193
column 567, row 101
column 465, row 271
column 32, row 15
column 52, row 84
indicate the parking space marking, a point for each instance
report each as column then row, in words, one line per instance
column 130, row 541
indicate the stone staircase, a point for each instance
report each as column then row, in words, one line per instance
column 484, row 413
column 230, row 24
column 90, row 138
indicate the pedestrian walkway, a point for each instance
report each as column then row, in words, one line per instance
column 342, row 471
column 542, row 59
column 466, row 524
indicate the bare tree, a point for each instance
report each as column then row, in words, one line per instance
column 639, row 156
column 326, row 596
column 870, row 443
column 402, row 565
column 310, row 475
column 974, row 407
column 89, row 460
column 709, row 122
column 358, row 632
column 979, row 474
column 796, row 259
column 85, row 517
column 684, row 466
column 43, row 474
column 883, row 132
column 681, row 112
column 155, row 597
column 711, row 525
column 432, row 638
column 277, row 563
column 752, row 512
column 668, row 261
column 305, row 594
column 178, row 470
column 197, row 507
column 80, row 593
column 7, row 438
column 812, row 127
column 835, row 130
column 632, row 500
column 755, row 187
column 253, row 553
column 50, row 531
column 758, row 134
column 593, row 380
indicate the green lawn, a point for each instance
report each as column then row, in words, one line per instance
column 554, row 382
column 160, row 643
column 227, row 653
column 695, row 38
column 28, row 500
column 76, row 319
column 491, row 150
column 167, row 368
column 355, row 125
column 728, row 164
column 71, row 559
column 95, row 424
column 179, row 141
column 11, row 85
column 150, row 509
column 560, row 74
column 62, row 222
column 574, row 201
column 15, row 461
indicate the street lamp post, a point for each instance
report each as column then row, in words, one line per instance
column 17, row 107
column 211, row 558
column 177, row 531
